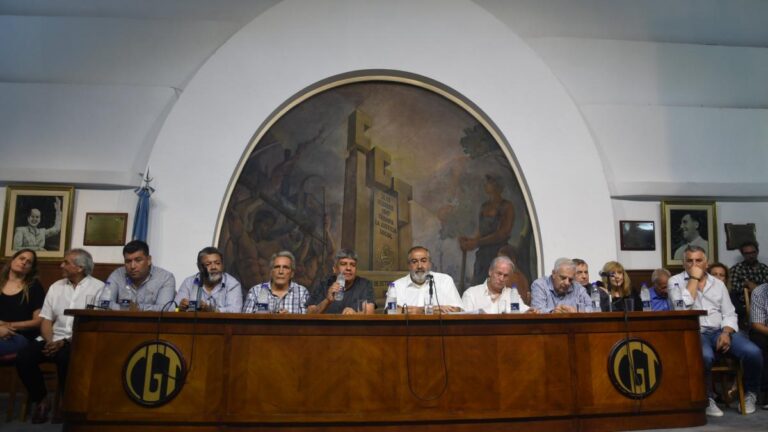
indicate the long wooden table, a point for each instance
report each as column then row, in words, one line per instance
column 430, row 373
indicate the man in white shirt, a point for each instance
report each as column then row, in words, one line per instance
column 413, row 290
column 719, row 326
column 492, row 296
column 56, row 328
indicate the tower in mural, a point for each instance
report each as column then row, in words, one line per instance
column 376, row 218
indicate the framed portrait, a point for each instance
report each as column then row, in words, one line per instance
column 687, row 223
column 637, row 235
column 38, row 218
column 737, row 234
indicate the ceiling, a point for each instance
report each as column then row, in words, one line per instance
column 126, row 63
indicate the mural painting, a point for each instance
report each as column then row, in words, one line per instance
column 377, row 167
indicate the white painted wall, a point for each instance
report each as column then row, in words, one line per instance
column 96, row 201
column 296, row 44
column 727, row 212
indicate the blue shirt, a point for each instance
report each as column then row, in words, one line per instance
column 154, row 294
column 227, row 294
column 659, row 303
column 544, row 298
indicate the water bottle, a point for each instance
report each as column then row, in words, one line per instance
column 340, row 293
column 391, row 306
column 645, row 297
column 250, row 302
column 677, row 297
column 105, row 297
column 595, row 298
column 128, row 299
column 262, row 300
column 514, row 300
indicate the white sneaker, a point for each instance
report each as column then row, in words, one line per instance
column 749, row 403
column 713, row 410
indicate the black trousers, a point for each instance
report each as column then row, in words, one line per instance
column 28, row 365
column 761, row 341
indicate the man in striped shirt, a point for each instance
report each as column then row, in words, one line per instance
column 281, row 294
column 758, row 314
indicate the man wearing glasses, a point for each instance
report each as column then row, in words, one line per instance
column 423, row 290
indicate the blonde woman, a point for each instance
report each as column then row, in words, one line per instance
column 617, row 288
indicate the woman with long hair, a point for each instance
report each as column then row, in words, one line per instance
column 20, row 302
column 618, row 288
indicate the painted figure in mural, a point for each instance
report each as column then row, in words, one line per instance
column 497, row 216
column 689, row 229
column 413, row 290
column 31, row 236
column 357, row 297
column 211, row 288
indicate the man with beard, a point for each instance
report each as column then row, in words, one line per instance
column 151, row 287
column 210, row 289
column 414, row 290
column 689, row 229
column 32, row 236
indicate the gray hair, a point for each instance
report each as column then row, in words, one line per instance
column 283, row 253
column 82, row 258
column 563, row 262
column 694, row 248
column 657, row 274
column 501, row 260
column 344, row 253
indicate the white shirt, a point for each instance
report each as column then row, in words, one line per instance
column 63, row 295
column 478, row 298
column 410, row 294
column 714, row 299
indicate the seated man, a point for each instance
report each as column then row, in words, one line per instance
column 281, row 294
column 151, row 287
column 559, row 292
column 492, row 296
column 660, row 300
column 719, row 327
column 356, row 289
column 413, row 290
column 759, row 331
column 582, row 274
column 56, row 328
column 211, row 288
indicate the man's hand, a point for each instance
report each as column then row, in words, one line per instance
column 332, row 290
column 697, row 273
column 6, row 332
column 348, row 311
column 184, row 305
column 564, row 309
column 52, row 348
column 447, row 309
column 532, row 311
column 724, row 342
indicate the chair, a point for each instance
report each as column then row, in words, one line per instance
column 8, row 361
column 729, row 366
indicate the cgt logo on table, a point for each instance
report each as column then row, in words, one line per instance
column 634, row 367
column 154, row 373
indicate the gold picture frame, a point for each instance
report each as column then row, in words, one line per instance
column 686, row 223
column 33, row 221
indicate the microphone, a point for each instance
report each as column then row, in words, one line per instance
column 431, row 280
column 605, row 274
